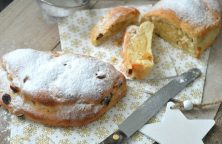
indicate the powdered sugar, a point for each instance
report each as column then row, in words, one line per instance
column 197, row 12
column 214, row 5
column 76, row 111
column 66, row 77
column 4, row 83
column 23, row 62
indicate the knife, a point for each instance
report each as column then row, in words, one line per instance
column 151, row 106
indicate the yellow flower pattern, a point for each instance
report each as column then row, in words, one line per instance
column 64, row 141
column 75, row 37
column 101, row 132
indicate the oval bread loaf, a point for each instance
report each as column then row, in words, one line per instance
column 58, row 89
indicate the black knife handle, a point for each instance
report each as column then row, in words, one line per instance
column 117, row 137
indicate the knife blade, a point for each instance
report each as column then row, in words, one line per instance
column 151, row 106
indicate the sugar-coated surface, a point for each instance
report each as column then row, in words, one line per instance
column 214, row 4
column 64, row 77
column 197, row 12
column 76, row 111
column 4, row 83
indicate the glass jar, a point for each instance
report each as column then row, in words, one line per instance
column 54, row 9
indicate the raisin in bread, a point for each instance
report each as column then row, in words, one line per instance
column 58, row 89
column 115, row 20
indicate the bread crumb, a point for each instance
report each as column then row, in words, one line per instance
column 113, row 59
column 118, row 41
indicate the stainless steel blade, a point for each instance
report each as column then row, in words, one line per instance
column 151, row 106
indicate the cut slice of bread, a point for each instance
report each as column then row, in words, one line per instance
column 137, row 53
column 114, row 21
column 191, row 30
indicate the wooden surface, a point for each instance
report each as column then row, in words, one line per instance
column 215, row 136
column 22, row 25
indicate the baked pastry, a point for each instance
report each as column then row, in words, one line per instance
column 58, row 89
column 137, row 53
column 191, row 25
column 115, row 20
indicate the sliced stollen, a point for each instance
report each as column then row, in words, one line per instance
column 137, row 54
column 114, row 21
column 58, row 89
column 191, row 25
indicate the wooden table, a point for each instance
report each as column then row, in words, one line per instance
column 22, row 25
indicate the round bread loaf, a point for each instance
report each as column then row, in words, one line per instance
column 58, row 89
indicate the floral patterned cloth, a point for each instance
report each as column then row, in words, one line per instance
column 169, row 61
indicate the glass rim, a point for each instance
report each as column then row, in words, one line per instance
column 49, row 2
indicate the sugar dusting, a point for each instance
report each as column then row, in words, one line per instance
column 66, row 77
column 197, row 12
column 65, row 112
column 214, row 4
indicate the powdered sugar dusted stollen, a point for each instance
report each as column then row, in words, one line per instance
column 58, row 88
column 191, row 25
column 197, row 12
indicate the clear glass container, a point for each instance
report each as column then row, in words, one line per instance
column 54, row 9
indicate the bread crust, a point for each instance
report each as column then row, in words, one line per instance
column 171, row 17
column 115, row 20
column 55, row 117
column 73, row 110
column 204, row 33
